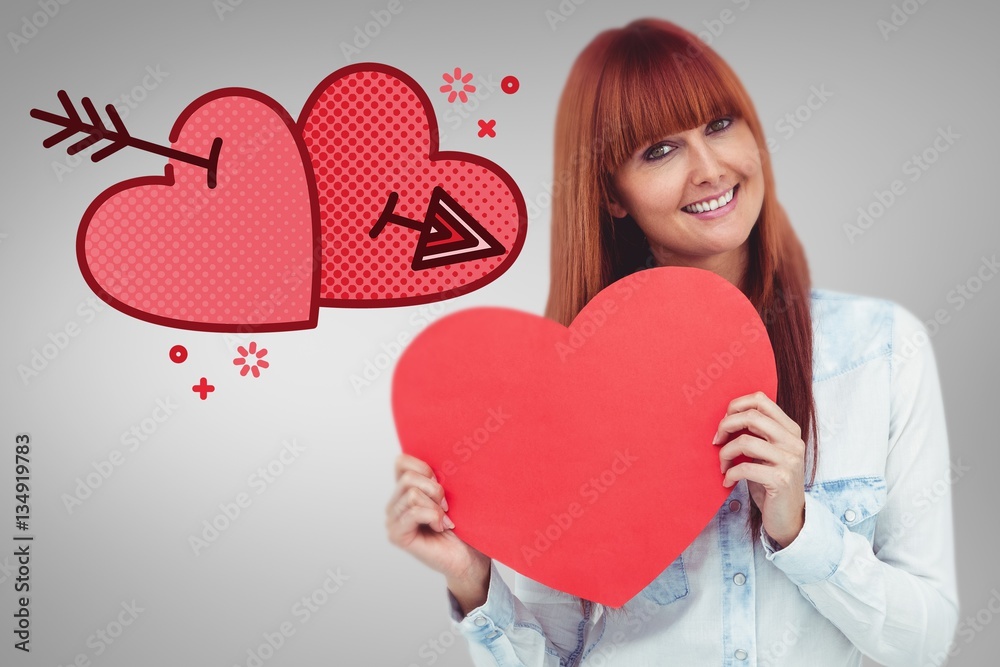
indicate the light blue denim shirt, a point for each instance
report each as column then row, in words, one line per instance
column 872, row 571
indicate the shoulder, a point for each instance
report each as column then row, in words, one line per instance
column 850, row 330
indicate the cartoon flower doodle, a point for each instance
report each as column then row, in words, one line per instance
column 459, row 81
column 252, row 359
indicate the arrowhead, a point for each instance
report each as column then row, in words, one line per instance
column 452, row 235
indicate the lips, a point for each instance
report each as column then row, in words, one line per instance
column 711, row 203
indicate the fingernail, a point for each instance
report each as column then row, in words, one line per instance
column 448, row 522
column 444, row 504
column 715, row 439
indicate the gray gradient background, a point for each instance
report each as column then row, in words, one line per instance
column 128, row 541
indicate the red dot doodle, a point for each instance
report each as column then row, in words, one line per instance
column 178, row 354
column 510, row 84
column 203, row 388
column 486, row 128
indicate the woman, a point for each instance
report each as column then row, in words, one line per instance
column 813, row 559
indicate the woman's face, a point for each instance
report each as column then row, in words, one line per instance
column 695, row 195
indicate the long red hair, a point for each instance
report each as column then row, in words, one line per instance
column 628, row 88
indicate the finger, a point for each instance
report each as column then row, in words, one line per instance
column 754, row 421
column 751, row 447
column 411, row 497
column 763, row 403
column 413, row 480
column 773, row 478
column 406, row 462
column 410, row 521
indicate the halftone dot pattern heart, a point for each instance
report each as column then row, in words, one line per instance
column 238, row 254
column 368, row 135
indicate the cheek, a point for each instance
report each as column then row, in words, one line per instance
column 659, row 195
column 748, row 156
column 754, row 177
column 750, row 166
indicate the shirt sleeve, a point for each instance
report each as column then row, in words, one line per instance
column 896, row 599
column 552, row 630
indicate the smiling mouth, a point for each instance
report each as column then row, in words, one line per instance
column 711, row 204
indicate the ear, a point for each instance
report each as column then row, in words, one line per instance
column 615, row 207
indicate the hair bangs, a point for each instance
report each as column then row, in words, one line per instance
column 654, row 85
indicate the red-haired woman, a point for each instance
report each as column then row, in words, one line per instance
column 813, row 559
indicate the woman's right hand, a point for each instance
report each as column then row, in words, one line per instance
column 417, row 522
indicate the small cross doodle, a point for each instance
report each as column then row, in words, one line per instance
column 486, row 128
column 203, row 388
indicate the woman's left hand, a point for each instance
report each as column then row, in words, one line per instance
column 775, row 476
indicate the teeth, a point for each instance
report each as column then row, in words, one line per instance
column 710, row 205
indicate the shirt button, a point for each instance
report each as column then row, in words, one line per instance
column 734, row 506
column 739, row 579
column 480, row 621
column 850, row 515
column 740, row 654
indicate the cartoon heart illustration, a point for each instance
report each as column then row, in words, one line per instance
column 236, row 251
column 402, row 222
column 581, row 457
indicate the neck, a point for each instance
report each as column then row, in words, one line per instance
column 730, row 265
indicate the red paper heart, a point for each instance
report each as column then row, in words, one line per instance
column 582, row 457
column 371, row 132
column 237, row 257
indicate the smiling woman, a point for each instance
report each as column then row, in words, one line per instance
column 811, row 559
column 652, row 119
column 653, row 125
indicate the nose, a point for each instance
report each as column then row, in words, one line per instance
column 705, row 163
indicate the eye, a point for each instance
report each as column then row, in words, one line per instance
column 657, row 152
column 718, row 125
